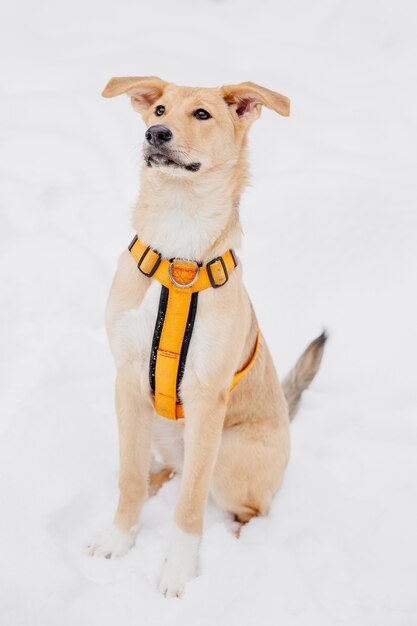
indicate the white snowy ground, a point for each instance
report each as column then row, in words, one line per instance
column 332, row 207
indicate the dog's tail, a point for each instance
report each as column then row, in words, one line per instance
column 300, row 377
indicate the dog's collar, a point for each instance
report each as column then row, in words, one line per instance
column 181, row 273
column 181, row 282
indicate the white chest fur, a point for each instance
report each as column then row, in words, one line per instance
column 132, row 342
column 133, row 331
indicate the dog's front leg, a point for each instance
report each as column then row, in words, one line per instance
column 134, row 416
column 203, row 430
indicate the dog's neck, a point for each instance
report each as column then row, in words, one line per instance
column 185, row 218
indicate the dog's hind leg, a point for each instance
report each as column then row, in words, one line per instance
column 255, row 445
column 249, row 469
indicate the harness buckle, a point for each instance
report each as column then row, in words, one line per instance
column 157, row 263
column 210, row 272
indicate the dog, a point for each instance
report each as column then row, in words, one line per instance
column 233, row 444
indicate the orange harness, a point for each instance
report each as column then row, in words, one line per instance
column 181, row 282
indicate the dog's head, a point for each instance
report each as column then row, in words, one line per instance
column 193, row 130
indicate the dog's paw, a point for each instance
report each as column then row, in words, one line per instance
column 181, row 564
column 112, row 543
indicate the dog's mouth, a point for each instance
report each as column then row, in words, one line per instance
column 160, row 159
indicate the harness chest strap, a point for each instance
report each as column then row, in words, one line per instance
column 181, row 282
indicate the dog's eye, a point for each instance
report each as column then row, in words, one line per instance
column 202, row 114
column 160, row 110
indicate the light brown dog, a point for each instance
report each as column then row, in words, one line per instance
column 235, row 445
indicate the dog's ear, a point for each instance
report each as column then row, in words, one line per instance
column 143, row 90
column 247, row 99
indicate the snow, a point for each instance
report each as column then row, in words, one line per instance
column 330, row 222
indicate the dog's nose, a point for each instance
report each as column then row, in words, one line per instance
column 158, row 134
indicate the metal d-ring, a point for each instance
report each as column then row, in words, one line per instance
column 197, row 274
